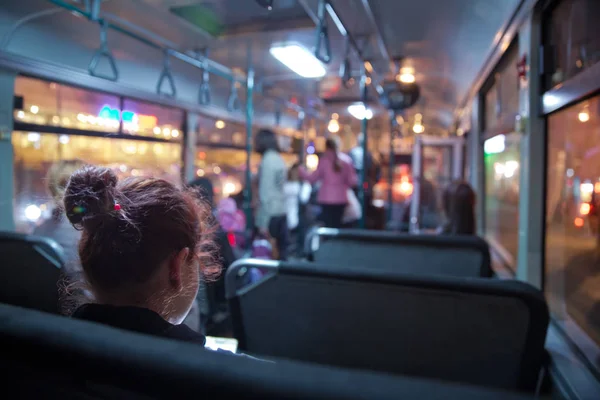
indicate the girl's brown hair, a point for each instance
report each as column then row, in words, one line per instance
column 131, row 227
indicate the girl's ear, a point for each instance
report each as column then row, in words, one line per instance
column 176, row 266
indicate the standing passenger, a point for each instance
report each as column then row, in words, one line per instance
column 337, row 177
column 297, row 194
column 271, row 216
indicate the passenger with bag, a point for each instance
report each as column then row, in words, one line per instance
column 336, row 176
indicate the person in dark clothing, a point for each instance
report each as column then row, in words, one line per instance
column 215, row 290
column 137, row 319
column 145, row 245
column 459, row 206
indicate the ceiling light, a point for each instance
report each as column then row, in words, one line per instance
column 418, row 128
column 359, row 111
column 406, row 75
column 34, row 109
column 333, row 126
column 584, row 116
column 299, row 60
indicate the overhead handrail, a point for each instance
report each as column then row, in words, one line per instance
column 10, row 33
column 195, row 60
column 204, row 97
column 326, row 6
column 103, row 51
column 93, row 7
column 323, row 35
column 166, row 74
column 233, row 103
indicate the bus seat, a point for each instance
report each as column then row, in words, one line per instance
column 67, row 359
column 30, row 271
column 478, row 331
column 461, row 256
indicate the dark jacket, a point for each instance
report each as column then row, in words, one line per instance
column 141, row 320
column 137, row 319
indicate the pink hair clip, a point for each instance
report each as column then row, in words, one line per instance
column 117, row 206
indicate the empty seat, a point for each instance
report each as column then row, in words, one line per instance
column 30, row 271
column 462, row 256
column 51, row 356
column 479, row 331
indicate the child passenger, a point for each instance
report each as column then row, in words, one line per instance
column 143, row 250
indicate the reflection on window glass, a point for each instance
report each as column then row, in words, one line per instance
column 49, row 103
column 34, row 153
column 501, row 163
column 572, row 280
column 573, row 35
column 502, row 98
column 226, row 168
column 492, row 109
column 145, row 119
column 220, row 132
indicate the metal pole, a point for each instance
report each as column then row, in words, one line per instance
column 363, row 173
column 391, row 164
column 249, row 116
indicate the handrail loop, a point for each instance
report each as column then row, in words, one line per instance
column 204, row 97
column 103, row 51
column 323, row 35
column 346, row 67
column 166, row 74
column 233, row 103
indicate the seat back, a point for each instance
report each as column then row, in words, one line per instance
column 30, row 271
column 480, row 331
column 66, row 358
column 461, row 256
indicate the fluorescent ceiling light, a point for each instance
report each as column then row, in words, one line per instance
column 299, row 60
column 359, row 111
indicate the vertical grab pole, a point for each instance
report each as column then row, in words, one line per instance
column 249, row 116
column 363, row 173
column 391, row 164
column 302, row 129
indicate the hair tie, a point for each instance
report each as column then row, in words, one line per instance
column 78, row 210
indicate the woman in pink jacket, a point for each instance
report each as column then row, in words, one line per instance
column 336, row 177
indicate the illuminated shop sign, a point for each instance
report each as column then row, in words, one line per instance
column 129, row 118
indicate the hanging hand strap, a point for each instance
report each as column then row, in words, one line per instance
column 166, row 74
column 103, row 51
